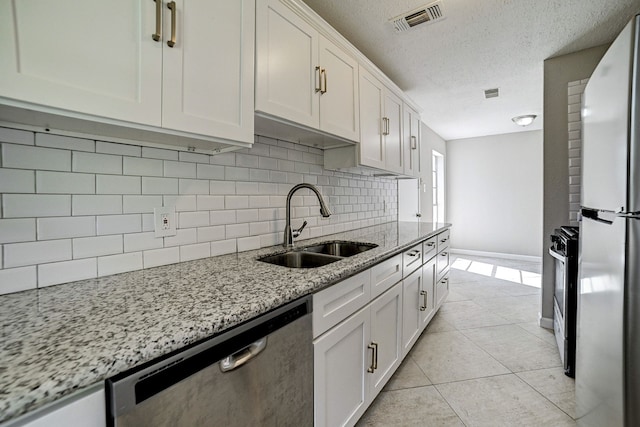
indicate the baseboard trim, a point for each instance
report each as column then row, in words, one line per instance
column 545, row 322
column 497, row 255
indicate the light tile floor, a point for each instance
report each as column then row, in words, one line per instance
column 483, row 360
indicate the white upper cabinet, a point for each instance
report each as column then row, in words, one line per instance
column 90, row 56
column 411, row 141
column 301, row 76
column 372, row 151
column 208, row 73
column 184, row 65
column 393, row 133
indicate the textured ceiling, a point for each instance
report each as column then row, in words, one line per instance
column 482, row 44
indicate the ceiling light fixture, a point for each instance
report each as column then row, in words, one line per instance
column 525, row 120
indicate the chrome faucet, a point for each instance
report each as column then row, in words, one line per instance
column 290, row 234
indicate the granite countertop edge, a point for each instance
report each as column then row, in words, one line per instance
column 64, row 338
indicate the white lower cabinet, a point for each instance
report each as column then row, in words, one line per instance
column 85, row 409
column 355, row 359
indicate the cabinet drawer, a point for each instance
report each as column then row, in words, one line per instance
column 385, row 275
column 336, row 303
column 429, row 247
column 443, row 240
column 442, row 264
column 411, row 260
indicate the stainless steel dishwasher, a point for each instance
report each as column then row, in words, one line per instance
column 257, row 374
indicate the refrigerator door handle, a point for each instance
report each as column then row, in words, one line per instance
column 632, row 215
column 593, row 214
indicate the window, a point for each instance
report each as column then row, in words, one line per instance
column 437, row 179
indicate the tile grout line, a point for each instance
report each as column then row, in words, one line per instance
column 541, row 394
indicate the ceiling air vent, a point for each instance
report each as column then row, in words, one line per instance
column 491, row 93
column 422, row 15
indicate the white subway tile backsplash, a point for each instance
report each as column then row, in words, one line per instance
column 37, row 205
column 65, row 183
column 186, row 236
column 152, row 185
column 16, row 136
column 222, row 187
column 248, row 243
column 209, row 171
column 191, row 252
column 224, row 203
column 179, row 169
column 223, row 247
column 27, row 157
column 193, row 186
column 17, row 181
column 22, row 254
column 96, row 205
column 142, row 241
column 114, row 264
column 140, row 204
column 159, row 153
column 18, row 279
column 209, row 203
column 65, row 142
column 67, row 271
column 87, row 247
column 116, row 184
column 118, row 224
column 141, row 166
column 210, row 234
column 97, row 163
column 17, row 230
column 184, row 156
column 66, row 227
column 118, row 149
column 193, row 219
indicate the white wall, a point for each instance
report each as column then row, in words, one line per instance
column 494, row 187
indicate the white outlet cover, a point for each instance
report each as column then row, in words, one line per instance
column 158, row 214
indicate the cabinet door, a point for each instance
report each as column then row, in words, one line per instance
column 393, row 135
column 442, row 290
column 411, row 141
column 286, row 61
column 411, row 315
column 208, row 73
column 91, row 57
column 339, row 106
column 427, row 293
column 341, row 381
column 386, row 337
column 372, row 151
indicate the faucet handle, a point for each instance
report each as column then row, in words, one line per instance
column 297, row 232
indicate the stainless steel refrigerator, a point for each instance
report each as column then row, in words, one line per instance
column 608, row 334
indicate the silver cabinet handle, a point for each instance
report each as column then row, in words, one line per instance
column 318, row 77
column 431, row 244
column 444, row 254
column 443, row 240
column 414, row 142
column 241, row 357
column 156, row 36
column 424, row 294
column 172, row 6
column 414, row 253
column 374, row 357
column 323, row 81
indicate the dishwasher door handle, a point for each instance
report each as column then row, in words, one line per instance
column 241, row 357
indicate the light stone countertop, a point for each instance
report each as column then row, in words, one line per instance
column 64, row 338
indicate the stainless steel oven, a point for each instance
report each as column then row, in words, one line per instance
column 564, row 250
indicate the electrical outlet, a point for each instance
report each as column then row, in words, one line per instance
column 164, row 221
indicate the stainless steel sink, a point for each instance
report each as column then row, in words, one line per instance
column 340, row 248
column 300, row 259
column 317, row 255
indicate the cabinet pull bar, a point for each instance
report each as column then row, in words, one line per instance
column 375, row 352
column 414, row 142
column 323, row 72
column 423, row 307
column 156, row 36
column 431, row 244
column 172, row 6
column 318, row 75
column 373, row 355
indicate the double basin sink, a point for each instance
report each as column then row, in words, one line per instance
column 317, row 255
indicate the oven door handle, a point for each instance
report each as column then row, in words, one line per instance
column 557, row 255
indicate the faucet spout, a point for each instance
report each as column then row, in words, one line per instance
column 289, row 233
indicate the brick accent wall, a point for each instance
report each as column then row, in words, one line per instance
column 575, row 92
